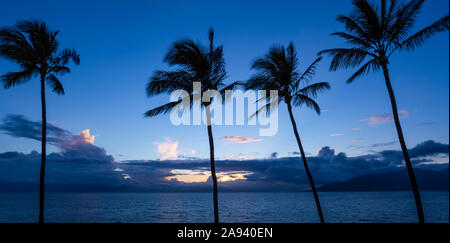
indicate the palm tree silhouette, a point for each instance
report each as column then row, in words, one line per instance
column 277, row 70
column 195, row 63
column 378, row 32
column 34, row 47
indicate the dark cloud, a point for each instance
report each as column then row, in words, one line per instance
column 370, row 148
column 377, row 145
column 83, row 166
column 429, row 147
column 274, row 155
column 426, row 123
column 72, row 146
column 19, row 126
column 326, row 152
column 275, row 174
column 9, row 155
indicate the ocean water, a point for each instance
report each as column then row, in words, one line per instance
column 234, row 207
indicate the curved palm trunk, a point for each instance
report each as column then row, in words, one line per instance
column 401, row 139
column 305, row 164
column 213, row 166
column 43, row 151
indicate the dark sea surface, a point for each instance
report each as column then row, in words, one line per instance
column 234, row 207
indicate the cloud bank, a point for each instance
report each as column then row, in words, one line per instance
column 83, row 166
column 274, row 174
column 79, row 146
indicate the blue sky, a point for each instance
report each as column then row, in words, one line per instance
column 122, row 43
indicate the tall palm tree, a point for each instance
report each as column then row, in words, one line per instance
column 377, row 32
column 34, row 47
column 277, row 70
column 195, row 63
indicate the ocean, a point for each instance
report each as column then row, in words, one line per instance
column 359, row 207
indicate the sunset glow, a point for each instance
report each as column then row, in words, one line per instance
column 195, row 176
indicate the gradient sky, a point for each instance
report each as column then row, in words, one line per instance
column 121, row 43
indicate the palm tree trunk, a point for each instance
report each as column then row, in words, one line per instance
column 43, row 151
column 305, row 164
column 213, row 166
column 401, row 139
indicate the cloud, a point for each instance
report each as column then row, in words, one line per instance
column 429, row 147
column 384, row 118
column 274, row 155
column 19, row 126
column 233, row 176
column 371, row 147
column 336, row 134
column 405, row 113
column 80, row 146
column 377, row 145
column 426, row 123
column 126, row 176
column 356, row 129
column 325, row 152
column 168, row 149
column 378, row 119
column 238, row 139
column 357, row 140
column 239, row 157
column 82, row 166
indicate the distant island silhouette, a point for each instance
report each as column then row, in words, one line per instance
column 427, row 180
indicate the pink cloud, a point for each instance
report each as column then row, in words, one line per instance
column 337, row 134
column 384, row 118
column 238, row 139
column 357, row 140
column 405, row 113
column 356, row 129
column 168, row 149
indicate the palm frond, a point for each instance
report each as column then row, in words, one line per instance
column 312, row 89
column 55, row 84
column 365, row 14
column 308, row 73
column 271, row 61
column 363, row 44
column 15, row 47
column 11, row 79
column 261, row 81
column 265, row 109
column 162, row 109
column 371, row 65
column 403, row 19
column 300, row 99
column 67, row 55
column 33, row 46
column 169, row 81
column 59, row 70
column 353, row 27
column 41, row 38
column 195, row 63
column 277, row 70
column 191, row 56
column 229, row 87
column 346, row 57
column 417, row 39
column 217, row 69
